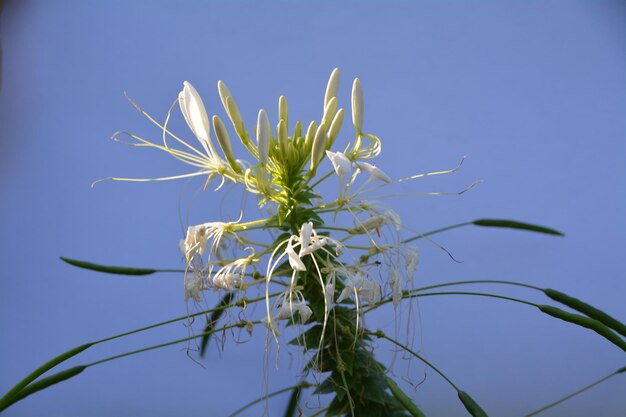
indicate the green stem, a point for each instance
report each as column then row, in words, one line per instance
column 480, row 294
column 174, row 342
column 380, row 334
column 478, row 281
column 443, row 229
column 273, row 394
column 318, row 182
column 580, row 391
column 152, row 326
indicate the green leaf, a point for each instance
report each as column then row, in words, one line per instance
column 292, row 405
column 310, row 339
column 374, row 387
column 120, row 270
column 511, row 224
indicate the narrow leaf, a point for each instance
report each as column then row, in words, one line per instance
column 120, row 270
column 42, row 384
column 292, row 405
column 7, row 399
column 511, row 224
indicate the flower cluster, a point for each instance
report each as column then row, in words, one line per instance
column 324, row 280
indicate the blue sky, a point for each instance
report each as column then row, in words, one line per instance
column 534, row 93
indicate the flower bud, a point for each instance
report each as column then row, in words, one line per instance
column 281, row 134
column 329, row 112
column 297, row 131
column 263, row 136
column 357, row 106
column 335, row 126
column 224, row 141
column 310, row 135
column 283, row 111
column 232, row 110
column 319, row 146
column 332, row 87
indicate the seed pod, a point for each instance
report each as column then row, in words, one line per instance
column 587, row 322
column 470, row 405
column 119, row 270
column 6, row 400
column 403, row 398
column 587, row 309
column 41, row 384
column 357, row 106
column 224, row 140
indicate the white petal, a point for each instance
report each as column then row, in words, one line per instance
column 340, row 162
column 375, row 172
column 294, row 260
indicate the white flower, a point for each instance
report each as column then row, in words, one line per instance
column 371, row 223
column 396, row 286
column 194, row 284
column 411, row 259
column 198, row 236
column 362, row 287
column 232, row 275
column 288, row 303
column 375, row 207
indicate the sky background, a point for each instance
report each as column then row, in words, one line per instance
column 534, row 93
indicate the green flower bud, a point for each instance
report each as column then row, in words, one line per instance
column 224, row 141
column 332, row 87
column 357, row 106
column 318, row 149
column 334, row 128
column 310, row 135
column 283, row 111
column 281, row 134
column 263, row 136
column 329, row 112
